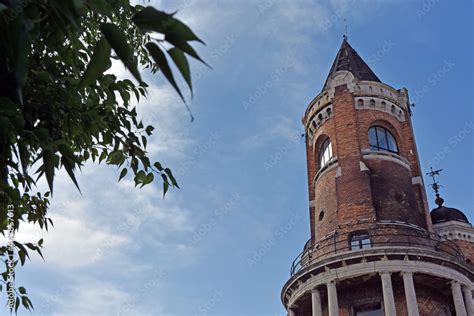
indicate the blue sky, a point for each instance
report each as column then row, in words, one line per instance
column 223, row 244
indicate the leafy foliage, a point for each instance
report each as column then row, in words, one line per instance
column 59, row 108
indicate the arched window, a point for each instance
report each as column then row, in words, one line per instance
column 360, row 103
column 381, row 139
column 372, row 103
column 329, row 112
column 325, row 153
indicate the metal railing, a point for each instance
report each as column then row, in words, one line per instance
column 380, row 237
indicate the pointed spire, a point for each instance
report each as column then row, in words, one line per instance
column 348, row 59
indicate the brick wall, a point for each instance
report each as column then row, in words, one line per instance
column 347, row 195
column 467, row 248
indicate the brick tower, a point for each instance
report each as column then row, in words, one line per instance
column 373, row 250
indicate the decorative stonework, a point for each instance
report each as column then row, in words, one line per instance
column 320, row 117
column 455, row 230
column 362, row 89
column 379, row 104
column 382, row 155
column 318, row 276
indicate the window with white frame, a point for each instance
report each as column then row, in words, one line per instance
column 325, row 153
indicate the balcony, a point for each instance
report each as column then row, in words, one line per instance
column 384, row 238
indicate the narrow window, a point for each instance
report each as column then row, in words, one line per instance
column 360, row 103
column 325, row 153
column 372, row 103
column 380, row 139
column 384, row 105
column 329, row 112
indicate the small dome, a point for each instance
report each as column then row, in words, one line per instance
column 445, row 214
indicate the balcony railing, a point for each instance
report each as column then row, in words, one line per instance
column 380, row 237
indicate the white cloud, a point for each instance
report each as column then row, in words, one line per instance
column 91, row 297
column 280, row 129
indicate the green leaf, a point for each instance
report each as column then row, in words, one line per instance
column 8, row 107
column 181, row 62
column 21, row 248
column 22, row 62
column 102, row 156
column 22, row 290
column 185, row 47
column 170, row 175
column 148, row 179
column 49, row 165
column 116, row 158
column 43, row 76
column 67, row 152
column 160, row 59
column 149, row 129
column 140, row 177
column 150, row 19
column 123, row 173
column 118, row 40
column 21, row 254
column 42, row 134
column 28, row 302
column 17, row 304
column 69, row 166
column 38, row 250
column 99, row 6
column 125, row 95
column 166, row 184
column 98, row 63
column 158, row 166
column 30, row 245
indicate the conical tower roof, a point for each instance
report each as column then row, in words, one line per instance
column 348, row 59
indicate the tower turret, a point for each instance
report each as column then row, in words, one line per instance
column 370, row 223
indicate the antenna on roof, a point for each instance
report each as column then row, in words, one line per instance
column 345, row 28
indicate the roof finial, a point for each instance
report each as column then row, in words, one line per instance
column 435, row 185
column 345, row 28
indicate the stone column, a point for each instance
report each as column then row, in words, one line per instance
column 316, row 302
column 388, row 299
column 333, row 305
column 457, row 298
column 410, row 294
column 468, row 299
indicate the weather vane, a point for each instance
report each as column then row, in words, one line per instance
column 345, row 28
column 435, row 185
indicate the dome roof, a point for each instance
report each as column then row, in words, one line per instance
column 445, row 214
